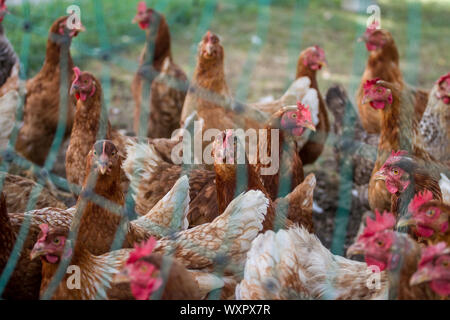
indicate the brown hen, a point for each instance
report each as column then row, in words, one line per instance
column 167, row 80
column 42, row 102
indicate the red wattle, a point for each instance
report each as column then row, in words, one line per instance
column 373, row 262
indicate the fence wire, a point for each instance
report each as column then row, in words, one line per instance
column 101, row 20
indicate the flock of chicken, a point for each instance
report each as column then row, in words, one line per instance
column 222, row 230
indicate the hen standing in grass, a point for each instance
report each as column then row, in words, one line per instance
column 208, row 90
column 168, row 89
column 90, row 124
column 383, row 63
column 42, row 101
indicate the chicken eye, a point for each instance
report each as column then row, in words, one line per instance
column 294, row 115
column 380, row 243
column 113, row 153
column 143, row 269
column 430, row 212
column 95, row 153
column 445, row 263
column 56, row 241
column 395, row 171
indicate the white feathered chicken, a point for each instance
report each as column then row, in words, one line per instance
column 293, row 264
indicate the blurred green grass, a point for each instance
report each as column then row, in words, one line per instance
column 283, row 27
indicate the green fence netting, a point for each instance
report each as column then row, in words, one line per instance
column 106, row 46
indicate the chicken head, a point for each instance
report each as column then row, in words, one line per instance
column 434, row 268
column 142, row 275
column 394, row 172
column 50, row 245
column 83, row 85
column 443, row 91
column 376, row 242
column 314, row 58
column 426, row 216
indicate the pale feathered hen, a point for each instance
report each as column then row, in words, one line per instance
column 224, row 242
column 293, row 264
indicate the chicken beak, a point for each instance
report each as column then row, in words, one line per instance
column 421, row 276
column 81, row 28
column 405, row 221
column 309, row 125
column 355, row 249
column 102, row 167
column 379, row 175
column 73, row 89
column 362, row 38
column 38, row 250
column 209, row 48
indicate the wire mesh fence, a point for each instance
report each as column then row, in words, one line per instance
column 110, row 48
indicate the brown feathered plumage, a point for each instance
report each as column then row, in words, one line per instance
column 98, row 224
column 398, row 132
column 42, row 102
column 9, row 65
column 290, row 169
column 90, row 124
column 383, row 63
column 19, row 190
column 316, row 142
column 167, row 89
column 25, row 280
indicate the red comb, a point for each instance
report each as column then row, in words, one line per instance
column 208, row 36
column 370, row 83
column 142, row 251
column 419, row 199
column 142, row 6
column 394, row 157
column 430, row 252
column 382, row 222
column 304, row 111
column 445, row 77
column 320, row 51
column 373, row 26
column 77, row 72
